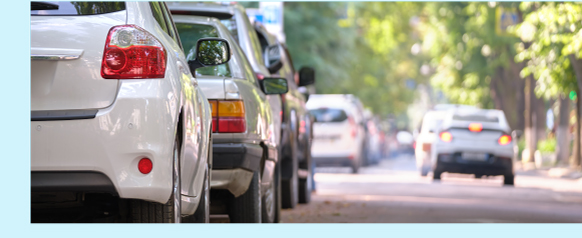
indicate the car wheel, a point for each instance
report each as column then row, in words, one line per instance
column 247, row 208
column 436, row 174
column 289, row 186
column 305, row 184
column 153, row 212
column 508, row 179
column 277, row 193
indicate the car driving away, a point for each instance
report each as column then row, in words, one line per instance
column 245, row 147
column 120, row 132
column 474, row 141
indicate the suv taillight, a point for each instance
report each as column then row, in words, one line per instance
column 132, row 53
column 504, row 139
column 446, row 136
column 228, row 116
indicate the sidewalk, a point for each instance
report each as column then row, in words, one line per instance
column 555, row 172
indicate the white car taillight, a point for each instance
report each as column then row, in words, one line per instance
column 132, row 53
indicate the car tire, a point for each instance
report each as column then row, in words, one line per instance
column 509, row 179
column 289, row 187
column 153, row 212
column 247, row 208
column 436, row 174
column 277, row 194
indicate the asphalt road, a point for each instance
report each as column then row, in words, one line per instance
column 394, row 192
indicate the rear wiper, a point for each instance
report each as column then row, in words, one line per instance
column 43, row 6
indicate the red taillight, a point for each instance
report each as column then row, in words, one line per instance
column 475, row 127
column 504, row 140
column 132, row 53
column 446, row 136
column 145, row 166
column 260, row 76
column 228, row 116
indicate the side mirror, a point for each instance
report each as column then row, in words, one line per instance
column 274, row 86
column 516, row 134
column 306, row 76
column 272, row 57
column 210, row 52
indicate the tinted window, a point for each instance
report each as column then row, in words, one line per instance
column 329, row 115
column 189, row 35
column 75, row 8
column 158, row 13
column 170, row 22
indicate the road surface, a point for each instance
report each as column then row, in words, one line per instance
column 394, row 192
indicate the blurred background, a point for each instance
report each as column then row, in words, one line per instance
column 403, row 59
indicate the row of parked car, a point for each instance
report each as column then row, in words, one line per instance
column 345, row 133
column 164, row 112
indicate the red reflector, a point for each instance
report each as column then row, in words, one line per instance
column 145, row 166
column 504, row 140
column 231, row 125
column 446, row 136
column 476, row 127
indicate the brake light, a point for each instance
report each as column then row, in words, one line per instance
column 475, row 127
column 504, row 140
column 228, row 116
column 132, row 53
column 260, row 76
column 446, row 136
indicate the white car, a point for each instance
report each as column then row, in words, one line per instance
column 245, row 145
column 474, row 141
column 338, row 133
column 116, row 115
column 431, row 122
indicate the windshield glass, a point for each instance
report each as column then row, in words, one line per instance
column 189, row 35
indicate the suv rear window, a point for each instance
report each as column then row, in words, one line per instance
column 329, row 115
column 189, row 35
column 74, row 8
column 476, row 118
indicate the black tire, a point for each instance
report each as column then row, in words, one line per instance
column 355, row 166
column 289, row 186
column 509, row 179
column 153, row 212
column 436, row 174
column 277, row 193
column 247, row 207
column 478, row 176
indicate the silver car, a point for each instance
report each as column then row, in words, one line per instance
column 245, row 147
column 474, row 141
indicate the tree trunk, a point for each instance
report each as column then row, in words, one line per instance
column 577, row 157
column 562, row 130
column 529, row 132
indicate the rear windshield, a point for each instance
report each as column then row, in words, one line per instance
column 476, row 118
column 74, row 8
column 189, row 35
column 329, row 115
